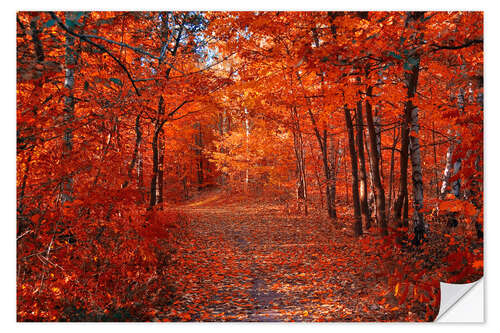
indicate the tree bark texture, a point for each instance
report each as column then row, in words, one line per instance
column 358, row 227
column 363, row 191
column 379, row 189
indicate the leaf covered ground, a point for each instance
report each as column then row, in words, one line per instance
column 249, row 261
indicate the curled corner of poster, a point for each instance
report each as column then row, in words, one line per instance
column 462, row 303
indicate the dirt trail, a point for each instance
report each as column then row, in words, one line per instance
column 250, row 262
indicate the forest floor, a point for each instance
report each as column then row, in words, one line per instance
column 245, row 260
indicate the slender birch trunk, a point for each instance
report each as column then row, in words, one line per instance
column 411, row 112
column 346, row 182
column 436, row 181
column 69, row 107
column 223, row 132
column 447, row 172
column 451, row 170
column 199, row 149
column 300, row 158
column 380, row 195
column 161, row 160
column 247, row 135
column 419, row 225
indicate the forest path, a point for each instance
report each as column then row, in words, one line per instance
column 249, row 262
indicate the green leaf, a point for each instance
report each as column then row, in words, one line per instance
column 49, row 23
column 116, row 81
column 395, row 55
column 86, row 85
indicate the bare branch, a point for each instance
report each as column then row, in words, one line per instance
column 456, row 47
column 180, row 106
column 135, row 49
column 100, row 47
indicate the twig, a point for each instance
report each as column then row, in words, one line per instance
column 23, row 234
column 136, row 49
column 180, row 106
column 100, row 47
column 456, row 47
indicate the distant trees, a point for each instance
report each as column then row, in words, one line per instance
column 324, row 65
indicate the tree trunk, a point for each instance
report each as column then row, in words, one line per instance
column 405, row 209
column 403, row 177
column 449, row 169
column 161, row 160
column 318, row 178
column 380, row 195
column 378, row 134
column 153, row 200
column 417, row 181
column 40, row 57
column 330, row 185
column 198, row 141
column 69, row 108
column 300, row 158
column 247, row 135
column 154, row 178
column 363, row 191
column 20, row 200
column 447, row 172
column 156, row 195
column 322, row 142
column 391, row 173
column 436, row 181
column 140, row 177
column 411, row 113
column 358, row 227
column 346, row 182
column 223, row 130
column 335, row 160
column 138, row 139
column 372, row 208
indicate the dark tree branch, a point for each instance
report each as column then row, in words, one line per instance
column 180, row 106
column 135, row 49
column 456, row 47
column 100, row 47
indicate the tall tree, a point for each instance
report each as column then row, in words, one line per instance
column 358, row 227
column 380, row 194
column 363, row 191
